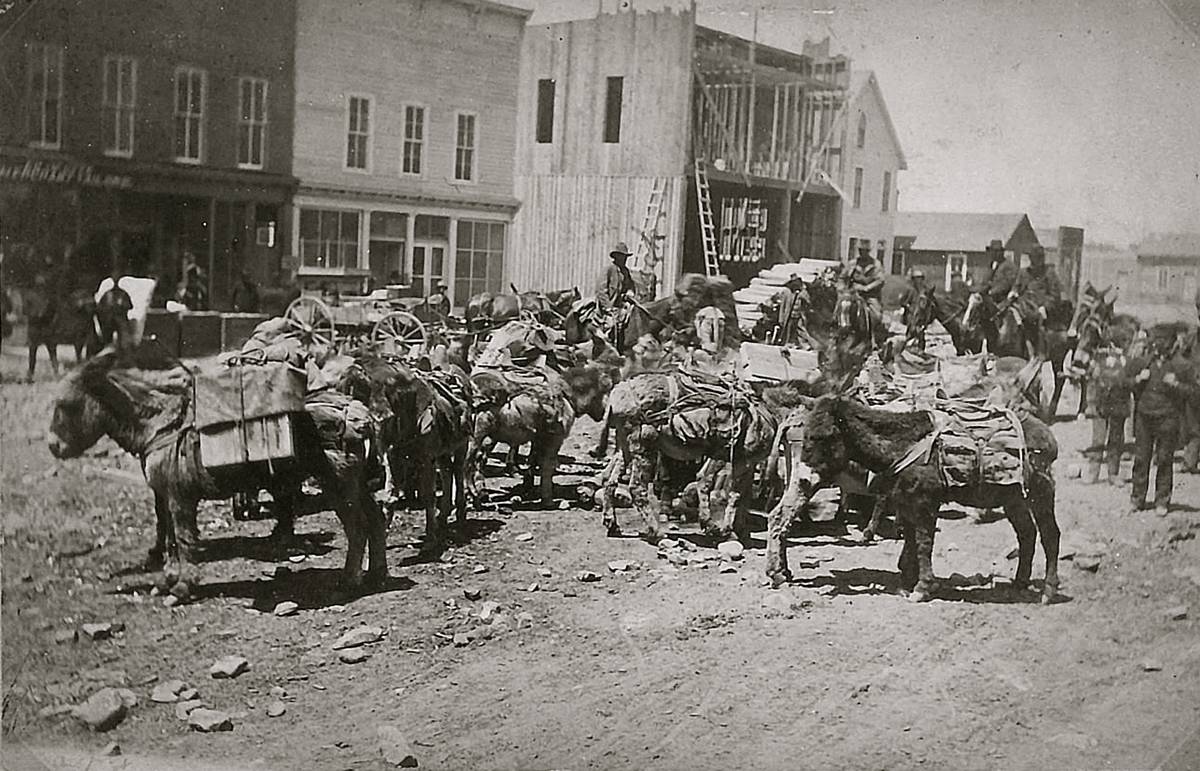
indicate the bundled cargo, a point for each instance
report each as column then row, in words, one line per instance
column 244, row 411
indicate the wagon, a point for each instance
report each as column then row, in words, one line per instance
column 386, row 325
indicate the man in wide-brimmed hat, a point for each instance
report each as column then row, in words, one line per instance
column 1163, row 383
column 789, row 306
column 865, row 276
column 618, row 282
column 1003, row 276
column 439, row 299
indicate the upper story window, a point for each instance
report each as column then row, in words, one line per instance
column 858, row 182
column 862, row 130
column 358, row 133
column 412, row 161
column 252, row 122
column 612, row 109
column 464, row 148
column 545, row 111
column 887, row 190
column 45, row 95
column 120, row 102
column 191, row 85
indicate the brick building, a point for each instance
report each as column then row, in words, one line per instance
column 157, row 131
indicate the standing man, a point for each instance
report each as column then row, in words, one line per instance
column 646, row 278
column 1110, row 397
column 439, row 301
column 41, row 313
column 789, row 304
column 866, row 277
column 618, row 282
column 1162, row 386
column 908, row 303
column 245, row 294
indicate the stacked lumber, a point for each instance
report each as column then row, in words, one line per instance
column 771, row 280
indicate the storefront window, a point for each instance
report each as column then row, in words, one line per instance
column 328, row 238
column 386, row 249
column 480, row 263
column 432, row 228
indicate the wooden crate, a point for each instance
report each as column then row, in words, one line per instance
column 266, row 438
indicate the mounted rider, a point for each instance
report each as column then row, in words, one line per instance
column 439, row 300
column 1037, row 288
column 617, row 289
column 1003, row 278
column 865, row 276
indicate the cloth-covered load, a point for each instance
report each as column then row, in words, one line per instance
column 341, row 421
column 706, row 408
column 974, row 444
column 243, row 412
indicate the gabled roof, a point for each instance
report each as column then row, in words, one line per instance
column 956, row 231
column 1170, row 245
column 861, row 80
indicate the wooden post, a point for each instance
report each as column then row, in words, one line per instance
column 212, row 242
column 753, row 97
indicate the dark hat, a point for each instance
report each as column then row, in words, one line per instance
column 794, row 280
column 620, row 248
column 996, row 245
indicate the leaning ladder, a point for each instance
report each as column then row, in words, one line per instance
column 708, row 232
column 654, row 208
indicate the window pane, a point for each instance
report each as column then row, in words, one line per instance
column 197, row 93
column 349, row 226
column 389, row 224
column 181, row 89
column 309, row 223
column 612, row 110
column 545, row 111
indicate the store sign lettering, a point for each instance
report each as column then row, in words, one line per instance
column 63, row 173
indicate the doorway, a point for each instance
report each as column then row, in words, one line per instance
column 428, row 267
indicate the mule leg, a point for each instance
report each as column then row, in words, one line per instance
column 1060, row 380
column 427, row 493
column 925, row 527
column 641, row 480
column 458, row 477
column 187, row 537
column 601, row 448
column 705, row 481
column 548, row 460
column 162, row 521
column 908, row 555
column 737, row 522
column 608, row 488
column 1041, row 504
column 376, row 532
column 33, row 346
column 1022, row 522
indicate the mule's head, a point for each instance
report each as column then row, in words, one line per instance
column 973, row 315
column 589, row 386
column 79, row 418
column 710, row 328
column 824, row 447
column 921, row 313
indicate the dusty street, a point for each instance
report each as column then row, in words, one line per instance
column 654, row 666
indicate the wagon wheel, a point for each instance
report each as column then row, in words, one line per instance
column 399, row 332
column 312, row 321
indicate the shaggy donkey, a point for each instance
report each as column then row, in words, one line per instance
column 143, row 401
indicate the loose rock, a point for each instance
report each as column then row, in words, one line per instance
column 360, row 636
column 479, row 569
column 1152, row 665
column 353, row 656
column 167, row 692
column 473, row 593
column 1088, row 562
column 103, row 710
column 461, row 640
column 394, row 747
column 524, row 620
column 587, row 576
column 187, row 694
column 56, row 710
column 619, row 566
column 727, row 568
column 525, row 537
column 209, row 720
column 1177, row 613
column 544, row 573
column 284, row 609
column 111, row 750
column 731, row 550
column 487, row 611
column 184, row 709
column 228, row 667
column 128, row 698
column 95, row 632
column 64, row 636
column 276, row 709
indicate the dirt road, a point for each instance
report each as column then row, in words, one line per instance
column 657, row 666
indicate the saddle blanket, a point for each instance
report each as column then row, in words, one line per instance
column 974, row 445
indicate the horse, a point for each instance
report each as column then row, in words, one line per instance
column 584, row 323
column 487, row 310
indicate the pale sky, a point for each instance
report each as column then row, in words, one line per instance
column 1079, row 112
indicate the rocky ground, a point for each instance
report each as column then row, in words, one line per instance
column 541, row 644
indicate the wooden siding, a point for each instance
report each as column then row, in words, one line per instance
column 652, row 52
column 566, row 226
column 445, row 57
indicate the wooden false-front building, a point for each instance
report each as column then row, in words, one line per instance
column 628, row 122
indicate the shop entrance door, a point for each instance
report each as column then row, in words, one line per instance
column 428, row 267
